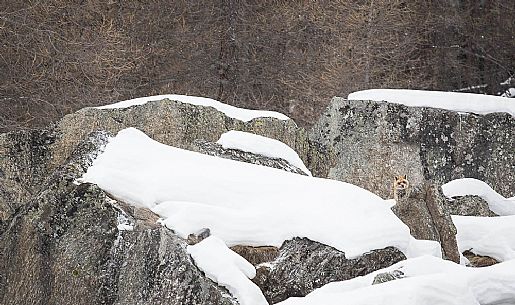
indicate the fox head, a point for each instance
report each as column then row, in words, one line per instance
column 401, row 182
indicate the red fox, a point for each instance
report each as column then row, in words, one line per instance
column 400, row 187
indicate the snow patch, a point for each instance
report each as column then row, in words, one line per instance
column 231, row 111
column 228, row 269
column 242, row 203
column 469, row 186
column 260, row 145
column 487, row 236
column 455, row 101
column 427, row 280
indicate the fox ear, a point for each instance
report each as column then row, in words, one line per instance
column 395, row 178
column 406, row 177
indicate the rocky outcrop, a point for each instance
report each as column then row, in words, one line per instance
column 304, row 265
column 375, row 141
column 72, row 244
column 179, row 124
column 423, row 210
column 215, row 149
column 28, row 157
column 63, row 241
column 469, row 206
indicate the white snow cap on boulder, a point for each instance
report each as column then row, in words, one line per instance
column 455, row 101
column 427, row 281
column 487, row 236
column 470, row 186
column 260, row 145
column 231, row 111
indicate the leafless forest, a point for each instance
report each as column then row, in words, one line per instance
column 57, row 56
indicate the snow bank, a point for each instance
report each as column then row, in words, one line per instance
column 427, row 280
column 228, row 269
column 243, row 203
column 488, row 236
column 469, row 186
column 231, row 111
column 261, row 145
column 461, row 102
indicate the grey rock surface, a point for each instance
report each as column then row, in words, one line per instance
column 178, row 124
column 469, row 206
column 215, row 149
column 375, row 141
column 424, row 212
column 387, row 277
column 66, row 246
column 28, row 157
column 304, row 265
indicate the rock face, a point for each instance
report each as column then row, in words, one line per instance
column 423, row 210
column 67, row 242
column 72, row 244
column 178, row 124
column 375, row 141
column 469, row 206
column 304, row 265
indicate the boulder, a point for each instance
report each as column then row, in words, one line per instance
column 72, row 244
column 28, row 157
column 375, row 141
column 469, row 205
column 423, row 210
column 180, row 124
column 304, row 265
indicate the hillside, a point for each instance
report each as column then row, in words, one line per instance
column 186, row 200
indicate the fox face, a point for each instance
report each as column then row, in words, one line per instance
column 400, row 187
column 400, row 182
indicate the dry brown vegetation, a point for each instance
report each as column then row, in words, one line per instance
column 57, row 56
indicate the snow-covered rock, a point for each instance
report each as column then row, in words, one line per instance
column 469, row 186
column 215, row 149
column 304, row 265
column 260, row 145
column 425, row 280
column 231, row 111
column 376, row 141
column 243, row 204
column 455, row 101
column 487, row 236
